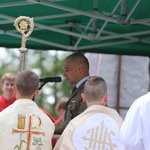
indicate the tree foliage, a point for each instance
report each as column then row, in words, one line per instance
column 45, row 64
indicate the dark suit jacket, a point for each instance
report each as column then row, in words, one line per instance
column 74, row 107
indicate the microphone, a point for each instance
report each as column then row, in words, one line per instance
column 50, row 79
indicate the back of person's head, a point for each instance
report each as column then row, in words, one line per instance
column 79, row 58
column 8, row 77
column 27, row 83
column 95, row 89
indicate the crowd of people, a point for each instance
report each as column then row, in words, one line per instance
column 85, row 121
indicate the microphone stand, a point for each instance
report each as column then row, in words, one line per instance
column 42, row 85
column 48, row 79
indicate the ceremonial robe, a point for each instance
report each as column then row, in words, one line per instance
column 23, row 126
column 135, row 130
column 97, row 128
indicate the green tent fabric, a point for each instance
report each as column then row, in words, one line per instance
column 97, row 26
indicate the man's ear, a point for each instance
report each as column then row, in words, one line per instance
column 83, row 97
column 106, row 97
column 80, row 67
column 14, row 89
column 36, row 93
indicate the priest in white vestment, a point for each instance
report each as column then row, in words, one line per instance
column 23, row 126
column 135, row 130
column 98, row 127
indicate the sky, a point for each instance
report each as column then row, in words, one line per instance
column 3, row 53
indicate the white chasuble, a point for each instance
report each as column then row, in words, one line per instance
column 135, row 130
column 23, row 126
column 97, row 128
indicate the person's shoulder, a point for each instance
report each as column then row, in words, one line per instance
column 142, row 100
column 76, row 120
column 105, row 111
column 145, row 98
column 79, row 119
column 6, row 112
column 47, row 114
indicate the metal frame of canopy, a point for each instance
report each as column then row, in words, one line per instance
column 89, row 31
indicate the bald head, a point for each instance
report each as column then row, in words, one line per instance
column 79, row 58
column 76, row 67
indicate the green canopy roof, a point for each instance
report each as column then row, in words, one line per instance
column 98, row 26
